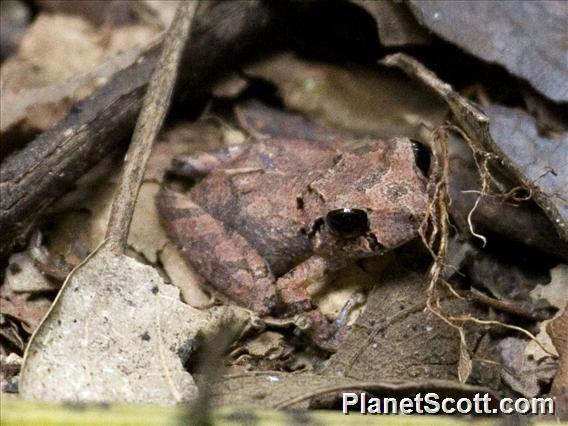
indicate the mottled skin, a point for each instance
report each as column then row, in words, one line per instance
column 254, row 226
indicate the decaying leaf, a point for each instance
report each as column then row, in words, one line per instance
column 397, row 338
column 269, row 351
column 230, row 87
column 370, row 101
column 528, row 38
column 504, row 279
column 522, row 373
column 11, row 336
column 558, row 330
column 294, row 391
column 113, row 13
column 114, row 334
column 9, row 369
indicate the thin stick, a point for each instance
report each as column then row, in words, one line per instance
column 154, row 108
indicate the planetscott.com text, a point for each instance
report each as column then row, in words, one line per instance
column 432, row 403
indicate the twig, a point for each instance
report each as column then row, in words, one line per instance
column 509, row 326
column 33, row 178
column 154, row 109
column 477, row 296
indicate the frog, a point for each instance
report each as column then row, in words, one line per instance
column 264, row 220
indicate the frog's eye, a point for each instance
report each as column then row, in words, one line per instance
column 421, row 156
column 347, row 223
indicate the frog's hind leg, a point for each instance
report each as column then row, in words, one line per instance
column 199, row 164
column 222, row 256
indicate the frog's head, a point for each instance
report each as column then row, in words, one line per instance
column 369, row 203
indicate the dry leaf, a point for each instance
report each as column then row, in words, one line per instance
column 22, row 276
column 113, row 334
column 184, row 278
column 28, row 313
column 371, row 101
column 11, row 335
column 522, row 373
column 15, row 17
column 332, row 294
column 465, row 364
column 146, row 235
column 541, row 161
column 9, row 368
column 555, row 293
column 526, row 37
column 558, row 330
column 395, row 23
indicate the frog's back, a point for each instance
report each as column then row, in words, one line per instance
column 257, row 196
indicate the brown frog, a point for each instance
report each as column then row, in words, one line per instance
column 269, row 217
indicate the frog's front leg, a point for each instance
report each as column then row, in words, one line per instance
column 292, row 288
column 228, row 262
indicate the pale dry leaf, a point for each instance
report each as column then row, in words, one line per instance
column 9, row 368
column 332, row 295
column 55, row 48
column 555, row 293
column 22, row 276
column 146, row 235
column 113, row 334
column 184, row 278
column 163, row 10
column 265, row 344
column 464, row 364
column 230, row 87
